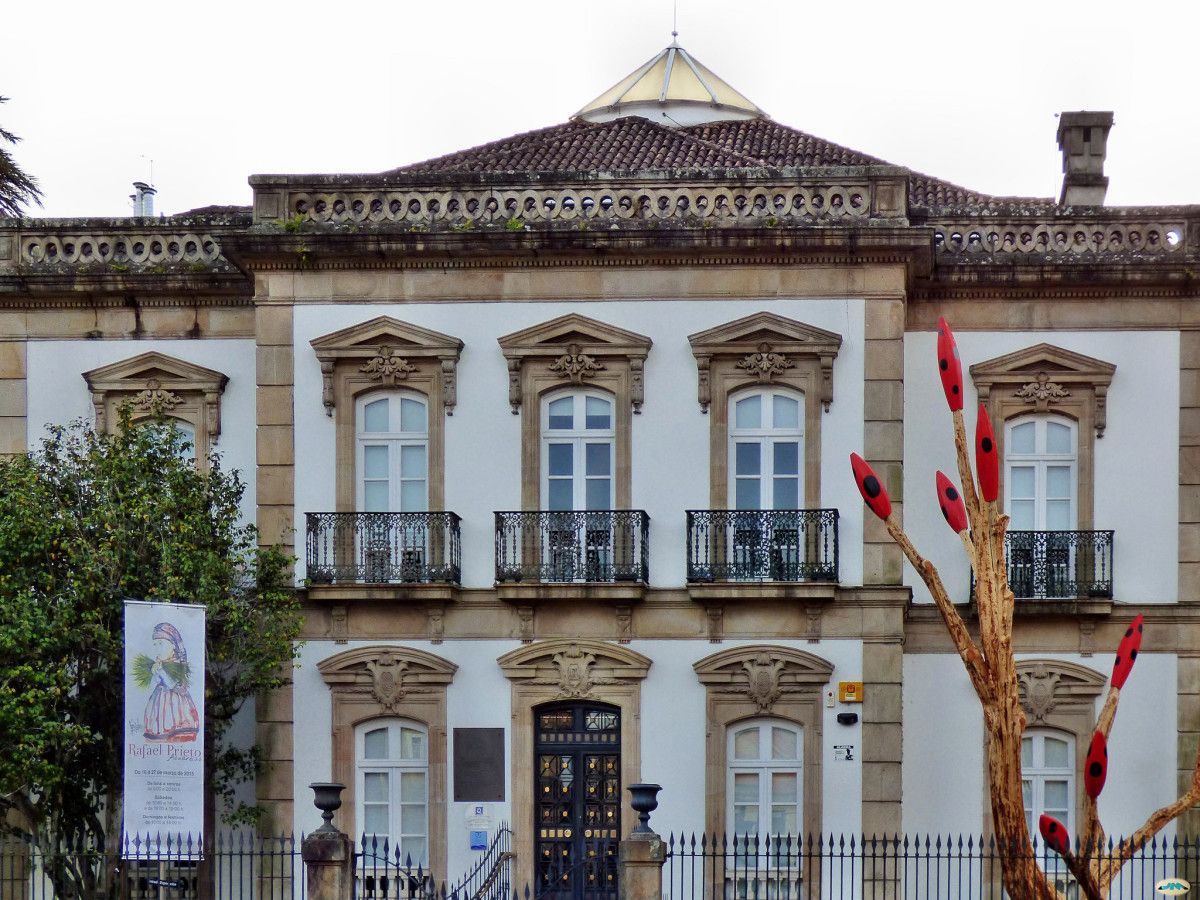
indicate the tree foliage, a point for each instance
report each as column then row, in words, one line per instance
column 16, row 188
column 86, row 522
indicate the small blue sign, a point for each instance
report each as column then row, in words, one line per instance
column 478, row 840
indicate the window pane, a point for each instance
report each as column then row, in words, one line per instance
column 1021, row 438
column 1058, row 438
column 598, row 493
column 598, row 413
column 745, row 744
column 783, row 744
column 562, row 412
column 561, row 459
column 413, row 849
column 561, row 495
column 412, row 744
column 745, row 819
column 412, row 415
column 1021, row 482
column 375, row 818
column 783, row 819
column 1055, row 793
column 1058, row 515
column 787, row 412
column 598, row 459
column 783, row 787
column 375, row 415
column 376, row 497
column 748, row 459
column 746, row 494
column 375, row 744
column 1027, row 793
column 747, row 413
column 413, row 497
column 412, row 787
column 375, row 787
column 412, row 461
column 1056, row 754
column 787, row 493
column 375, row 462
column 1058, row 481
column 787, row 458
column 745, row 787
column 1026, row 753
column 1021, row 515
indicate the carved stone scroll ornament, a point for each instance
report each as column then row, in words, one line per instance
column 387, row 367
column 762, row 681
column 387, row 680
column 576, row 365
column 1042, row 391
column 765, row 364
column 155, row 398
column 1039, row 693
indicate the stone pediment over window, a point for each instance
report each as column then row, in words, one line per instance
column 574, row 670
column 1051, row 687
column 763, row 674
column 766, row 348
column 1045, row 378
column 389, row 353
column 387, row 674
column 574, row 349
column 156, row 384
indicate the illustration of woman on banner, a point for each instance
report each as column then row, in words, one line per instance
column 170, row 713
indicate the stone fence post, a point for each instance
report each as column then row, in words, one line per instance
column 328, row 853
column 642, row 855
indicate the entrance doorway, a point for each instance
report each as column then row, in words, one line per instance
column 577, row 802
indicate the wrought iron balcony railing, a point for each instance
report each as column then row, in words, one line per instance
column 762, row 545
column 383, row 547
column 1059, row 565
column 591, row 546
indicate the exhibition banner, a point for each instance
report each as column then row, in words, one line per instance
column 164, row 730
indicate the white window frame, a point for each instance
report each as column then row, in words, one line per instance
column 395, row 767
column 766, row 436
column 764, row 766
column 394, row 440
column 1038, row 774
column 1040, row 461
column 579, row 438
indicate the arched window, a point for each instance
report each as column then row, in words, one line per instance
column 578, row 444
column 392, row 786
column 766, row 449
column 765, row 771
column 392, row 452
column 1040, row 454
column 1048, row 777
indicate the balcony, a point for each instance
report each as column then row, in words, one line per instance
column 1060, row 565
column 736, row 545
column 592, row 547
column 383, row 548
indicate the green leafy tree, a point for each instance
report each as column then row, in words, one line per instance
column 16, row 188
column 85, row 522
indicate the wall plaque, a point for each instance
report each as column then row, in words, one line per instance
column 478, row 765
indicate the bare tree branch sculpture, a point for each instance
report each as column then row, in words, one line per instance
column 991, row 667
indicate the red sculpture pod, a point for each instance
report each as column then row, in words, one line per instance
column 952, row 504
column 1096, row 768
column 987, row 460
column 1054, row 833
column 870, row 487
column 949, row 366
column 1127, row 652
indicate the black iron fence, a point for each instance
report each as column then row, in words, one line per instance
column 762, row 545
column 595, row 546
column 381, row 547
column 237, row 866
column 824, row 867
column 383, row 871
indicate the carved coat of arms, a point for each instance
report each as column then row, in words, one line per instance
column 574, row 672
column 762, row 681
column 387, row 681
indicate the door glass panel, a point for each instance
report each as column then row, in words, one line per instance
column 783, row 819
column 747, row 413
column 747, row 494
column 376, row 497
column 745, row 787
column 748, row 459
column 561, row 459
column 745, row 744
column 1026, row 753
column 412, row 818
column 375, row 462
column 412, row 495
column 1058, row 438
column 1022, row 482
column 375, row 416
column 1056, row 798
column 745, row 818
column 412, row 850
column 598, row 413
column 1022, row 515
column 787, row 458
column 1058, row 515
column 787, row 412
column 375, row 744
column 598, row 493
column 787, row 493
column 783, row 744
column 562, row 412
column 1022, row 438
column 412, row 462
column 376, row 818
column 1058, row 481
column 412, row 415
column 598, row 459
column 783, row 787
column 1056, row 753
column 375, row 787
column 412, row 744
column 561, row 494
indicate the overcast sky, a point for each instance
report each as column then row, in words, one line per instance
column 217, row 90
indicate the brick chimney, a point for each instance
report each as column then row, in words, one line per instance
column 1081, row 137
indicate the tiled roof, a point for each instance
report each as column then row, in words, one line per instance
column 637, row 144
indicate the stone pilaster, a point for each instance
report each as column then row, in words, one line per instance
column 276, row 434
column 883, row 445
column 1189, row 467
column 13, row 385
column 1188, row 699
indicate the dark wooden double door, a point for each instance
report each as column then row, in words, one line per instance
column 577, row 808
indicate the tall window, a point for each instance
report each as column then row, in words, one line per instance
column 765, row 767
column 1048, row 777
column 392, row 771
column 392, row 453
column 1041, row 459
column 766, row 448
column 578, row 438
